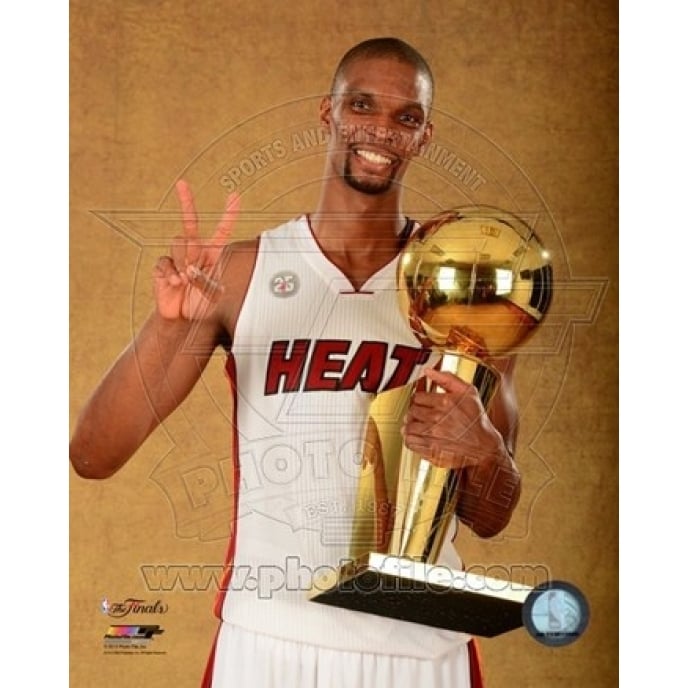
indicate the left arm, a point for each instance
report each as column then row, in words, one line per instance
column 452, row 429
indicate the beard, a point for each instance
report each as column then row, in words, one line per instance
column 373, row 186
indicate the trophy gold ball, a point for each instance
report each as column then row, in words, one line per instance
column 474, row 283
column 476, row 279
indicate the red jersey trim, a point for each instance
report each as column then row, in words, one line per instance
column 230, row 369
column 475, row 664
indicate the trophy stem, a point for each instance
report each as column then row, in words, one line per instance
column 405, row 503
column 427, row 495
column 424, row 512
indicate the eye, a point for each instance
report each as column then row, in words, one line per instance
column 410, row 120
column 360, row 104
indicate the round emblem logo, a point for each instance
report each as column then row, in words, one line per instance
column 284, row 284
column 556, row 613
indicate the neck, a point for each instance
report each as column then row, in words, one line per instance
column 354, row 219
column 359, row 233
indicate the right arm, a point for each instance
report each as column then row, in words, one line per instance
column 198, row 291
column 151, row 377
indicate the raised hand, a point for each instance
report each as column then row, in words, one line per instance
column 187, row 283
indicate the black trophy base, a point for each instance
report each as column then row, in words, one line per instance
column 422, row 593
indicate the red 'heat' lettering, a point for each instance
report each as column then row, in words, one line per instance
column 330, row 367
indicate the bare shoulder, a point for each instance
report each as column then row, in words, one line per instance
column 240, row 258
column 243, row 246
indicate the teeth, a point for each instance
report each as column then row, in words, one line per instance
column 374, row 157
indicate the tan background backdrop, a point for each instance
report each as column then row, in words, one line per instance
column 164, row 88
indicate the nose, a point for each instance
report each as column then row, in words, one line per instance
column 385, row 133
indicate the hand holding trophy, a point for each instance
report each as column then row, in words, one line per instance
column 474, row 283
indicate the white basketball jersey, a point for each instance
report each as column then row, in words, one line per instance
column 308, row 356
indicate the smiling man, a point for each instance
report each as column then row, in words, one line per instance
column 380, row 120
column 307, row 314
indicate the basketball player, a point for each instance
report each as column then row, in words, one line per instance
column 308, row 315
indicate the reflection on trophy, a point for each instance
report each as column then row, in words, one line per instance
column 474, row 283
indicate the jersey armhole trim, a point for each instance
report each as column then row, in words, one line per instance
column 240, row 312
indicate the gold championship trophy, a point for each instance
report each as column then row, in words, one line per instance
column 474, row 283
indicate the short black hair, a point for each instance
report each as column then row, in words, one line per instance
column 387, row 46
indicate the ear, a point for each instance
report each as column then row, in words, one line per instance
column 326, row 112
